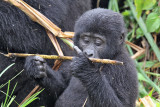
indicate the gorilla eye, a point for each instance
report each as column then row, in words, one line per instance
column 98, row 42
column 86, row 39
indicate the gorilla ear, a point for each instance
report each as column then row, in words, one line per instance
column 122, row 38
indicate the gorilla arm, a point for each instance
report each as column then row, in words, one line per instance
column 54, row 81
column 102, row 93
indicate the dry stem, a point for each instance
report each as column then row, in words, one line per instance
column 96, row 60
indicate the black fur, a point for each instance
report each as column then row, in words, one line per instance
column 92, row 84
column 18, row 34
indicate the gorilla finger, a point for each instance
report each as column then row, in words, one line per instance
column 40, row 75
column 75, row 59
column 38, row 62
column 29, row 59
column 40, row 59
column 42, row 68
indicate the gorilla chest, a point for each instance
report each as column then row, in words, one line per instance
column 74, row 96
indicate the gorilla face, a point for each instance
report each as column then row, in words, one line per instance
column 100, row 33
column 92, row 44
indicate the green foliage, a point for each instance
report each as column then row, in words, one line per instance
column 138, row 4
column 142, row 25
column 153, row 19
column 148, row 64
column 126, row 13
column 31, row 99
column 139, row 33
column 142, row 78
column 113, row 5
column 143, row 5
column 6, row 69
column 146, row 11
column 154, row 74
column 156, row 10
column 151, row 92
column 152, row 22
column 10, row 97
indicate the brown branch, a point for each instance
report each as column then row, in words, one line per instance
column 137, row 48
column 96, row 60
column 55, row 43
column 140, row 51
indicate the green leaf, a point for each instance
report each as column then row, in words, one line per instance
column 151, row 92
column 148, row 4
column 139, row 33
column 158, row 30
column 126, row 13
column 138, row 4
column 152, row 22
column 6, row 69
column 148, row 64
column 148, row 35
column 31, row 99
column 154, row 74
column 157, row 104
column 143, row 5
column 141, row 77
column 142, row 90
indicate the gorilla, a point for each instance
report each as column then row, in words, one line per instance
column 99, row 33
column 19, row 34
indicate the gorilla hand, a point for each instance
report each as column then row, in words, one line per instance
column 35, row 67
column 81, row 66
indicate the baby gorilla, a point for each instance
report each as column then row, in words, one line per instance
column 99, row 33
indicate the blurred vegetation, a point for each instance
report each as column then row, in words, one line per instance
column 142, row 18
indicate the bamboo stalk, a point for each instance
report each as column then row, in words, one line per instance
column 96, row 60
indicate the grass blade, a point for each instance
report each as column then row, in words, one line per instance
column 6, row 69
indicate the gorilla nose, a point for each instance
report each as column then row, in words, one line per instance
column 88, row 54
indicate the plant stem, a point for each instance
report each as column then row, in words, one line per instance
column 96, row 60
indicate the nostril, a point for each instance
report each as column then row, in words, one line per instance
column 85, row 53
column 90, row 55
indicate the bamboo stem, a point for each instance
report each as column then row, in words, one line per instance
column 96, row 60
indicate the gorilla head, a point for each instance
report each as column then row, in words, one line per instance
column 99, row 32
